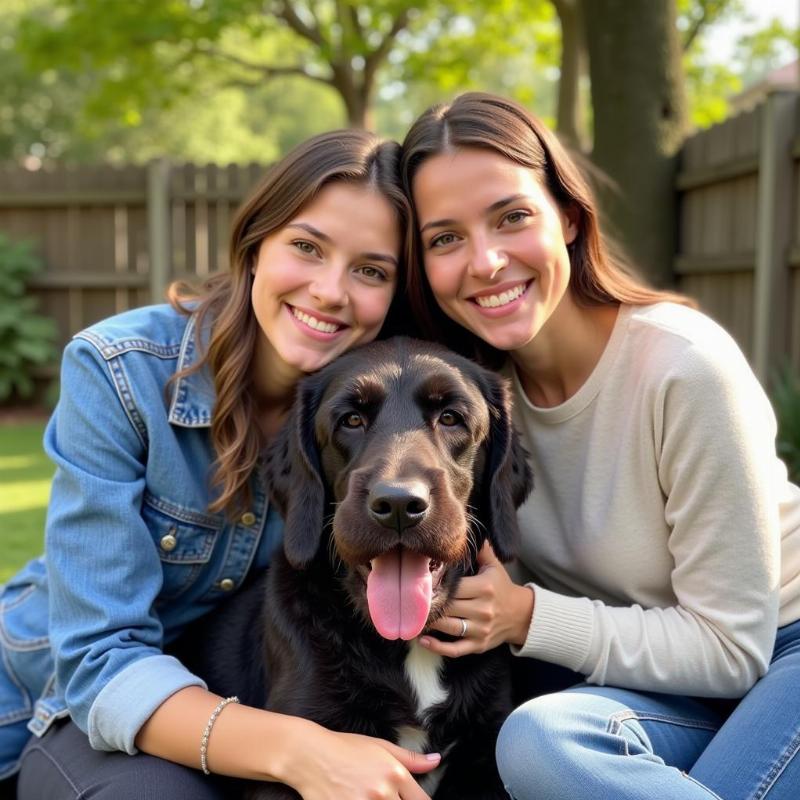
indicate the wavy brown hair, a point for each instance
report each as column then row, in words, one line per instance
column 598, row 276
column 223, row 304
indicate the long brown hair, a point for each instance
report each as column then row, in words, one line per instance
column 490, row 122
column 223, row 303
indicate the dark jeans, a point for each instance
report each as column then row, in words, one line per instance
column 62, row 766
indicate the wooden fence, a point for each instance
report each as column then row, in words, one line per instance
column 112, row 239
column 738, row 249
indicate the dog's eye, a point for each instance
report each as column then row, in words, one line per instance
column 352, row 420
column 449, row 418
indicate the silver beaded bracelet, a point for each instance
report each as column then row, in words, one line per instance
column 207, row 732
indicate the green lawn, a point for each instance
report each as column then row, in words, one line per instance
column 25, row 474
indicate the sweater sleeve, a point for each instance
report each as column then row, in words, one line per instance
column 714, row 433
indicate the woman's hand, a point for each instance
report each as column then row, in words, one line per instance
column 496, row 610
column 346, row 765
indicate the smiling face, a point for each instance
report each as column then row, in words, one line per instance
column 494, row 244
column 324, row 282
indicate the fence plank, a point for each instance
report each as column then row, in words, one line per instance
column 726, row 230
column 774, row 234
column 158, row 219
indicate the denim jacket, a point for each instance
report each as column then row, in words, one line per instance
column 132, row 553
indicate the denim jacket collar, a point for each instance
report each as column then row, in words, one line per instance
column 193, row 397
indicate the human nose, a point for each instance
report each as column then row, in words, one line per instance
column 328, row 287
column 486, row 259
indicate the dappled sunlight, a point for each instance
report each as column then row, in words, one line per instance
column 24, row 495
column 18, row 462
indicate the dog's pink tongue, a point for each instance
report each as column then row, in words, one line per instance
column 399, row 590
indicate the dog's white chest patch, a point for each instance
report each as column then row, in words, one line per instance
column 412, row 738
column 423, row 670
column 417, row 739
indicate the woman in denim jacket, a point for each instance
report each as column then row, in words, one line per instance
column 159, row 510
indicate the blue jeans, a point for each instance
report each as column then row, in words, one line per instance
column 600, row 742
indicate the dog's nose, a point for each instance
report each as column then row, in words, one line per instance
column 399, row 505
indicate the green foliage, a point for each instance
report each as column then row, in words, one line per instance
column 73, row 104
column 148, row 55
column 26, row 338
column 498, row 46
column 234, row 81
column 37, row 107
column 766, row 49
column 786, row 401
column 694, row 16
column 710, row 84
column 237, row 80
column 708, row 87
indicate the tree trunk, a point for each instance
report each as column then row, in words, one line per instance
column 355, row 94
column 358, row 111
column 570, row 114
column 640, row 122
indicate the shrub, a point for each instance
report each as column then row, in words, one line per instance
column 786, row 401
column 26, row 338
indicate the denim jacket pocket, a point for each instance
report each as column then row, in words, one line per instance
column 26, row 664
column 184, row 539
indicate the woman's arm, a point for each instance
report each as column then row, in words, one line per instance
column 104, row 572
column 261, row 745
column 720, row 482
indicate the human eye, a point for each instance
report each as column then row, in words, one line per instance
column 305, row 247
column 442, row 240
column 516, row 216
column 373, row 273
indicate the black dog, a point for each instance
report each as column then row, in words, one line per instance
column 398, row 461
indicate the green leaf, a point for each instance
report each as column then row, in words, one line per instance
column 26, row 338
column 785, row 397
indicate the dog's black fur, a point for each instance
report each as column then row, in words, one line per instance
column 405, row 416
column 394, row 416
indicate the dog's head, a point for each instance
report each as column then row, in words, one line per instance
column 413, row 449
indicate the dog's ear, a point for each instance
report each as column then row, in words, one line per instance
column 507, row 480
column 294, row 476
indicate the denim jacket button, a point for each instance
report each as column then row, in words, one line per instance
column 248, row 518
column 168, row 541
column 226, row 584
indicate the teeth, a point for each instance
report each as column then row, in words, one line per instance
column 495, row 300
column 313, row 322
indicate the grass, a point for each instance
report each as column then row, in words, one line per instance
column 25, row 475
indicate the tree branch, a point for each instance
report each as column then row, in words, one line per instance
column 264, row 70
column 277, row 72
column 710, row 10
column 693, row 30
column 355, row 21
column 376, row 56
column 310, row 32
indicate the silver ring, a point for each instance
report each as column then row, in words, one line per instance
column 463, row 629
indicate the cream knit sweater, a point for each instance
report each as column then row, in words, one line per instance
column 662, row 535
